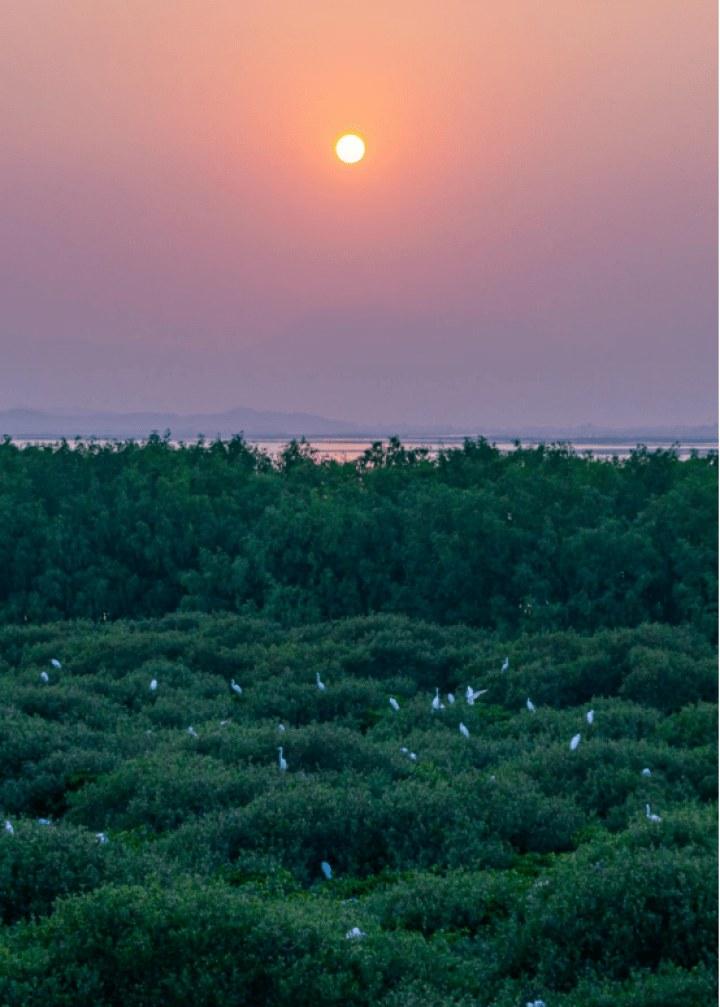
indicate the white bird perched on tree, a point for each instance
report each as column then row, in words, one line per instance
column 464, row 730
column 320, row 685
column 355, row 932
column 9, row 829
column 436, row 701
column 44, row 676
column 55, row 663
column 281, row 727
column 153, row 685
column 235, row 687
column 451, row 699
column 536, row 1003
column 653, row 818
column 283, row 763
column 403, row 749
column 102, row 837
column 345, row 901
column 575, row 742
column 192, row 731
column 471, row 696
column 590, row 716
column 413, row 756
column 394, row 703
column 326, row 869
column 646, row 772
column 530, row 706
column 148, row 732
column 44, row 821
column 506, row 665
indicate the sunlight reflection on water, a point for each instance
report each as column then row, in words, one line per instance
column 346, row 450
column 342, row 449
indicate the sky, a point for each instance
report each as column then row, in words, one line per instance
column 532, row 231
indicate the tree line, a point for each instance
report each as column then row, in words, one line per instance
column 537, row 540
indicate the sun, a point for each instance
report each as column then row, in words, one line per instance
column 350, row 148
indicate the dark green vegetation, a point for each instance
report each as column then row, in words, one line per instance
column 492, row 870
column 536, row 540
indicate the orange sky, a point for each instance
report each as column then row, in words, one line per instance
column 169, row 165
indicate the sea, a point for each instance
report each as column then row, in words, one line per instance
column 348, row 449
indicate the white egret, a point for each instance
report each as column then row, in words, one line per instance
column 506, row 665
column 281, row 727
column 326, row 869
column 153, row 685
column 403, row 749
column 355, row 932
column 192, row 731
column 9, row 829
column 44, row 821
column 464, row 730
column 413, row 756
column 590, row 716
column 235, row 687
column 394, row 703
column 646, row 772
column 320, row 685
column 653, row 818
column 148, row 732
column 451, row 699
column 283, row 763
column 345, row 901
column 492, row 778
column 536, row 1003
column 102, row 837
column 530, row 706
column 223, row 723
column 471, row 696
column 44, row 676
column 436, row 701
column 55, row 663
column 575, row 742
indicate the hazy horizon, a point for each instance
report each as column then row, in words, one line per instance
column 531, row 238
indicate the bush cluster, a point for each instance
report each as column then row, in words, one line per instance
column 157, row 851
column 539, row 539
column 490, row 870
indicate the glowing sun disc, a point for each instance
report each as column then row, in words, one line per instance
column 349, row 148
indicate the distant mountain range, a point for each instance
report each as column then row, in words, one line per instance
column 30, row 424
column 377, row 370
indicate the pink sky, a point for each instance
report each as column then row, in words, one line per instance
column 168, row 180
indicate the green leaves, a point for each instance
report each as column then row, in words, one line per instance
column 538, row 540
column 495, row 867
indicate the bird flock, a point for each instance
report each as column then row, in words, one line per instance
column 471, row 695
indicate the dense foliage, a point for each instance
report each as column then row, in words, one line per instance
column 492, row 869
column 538, row 539
column 156, row 852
